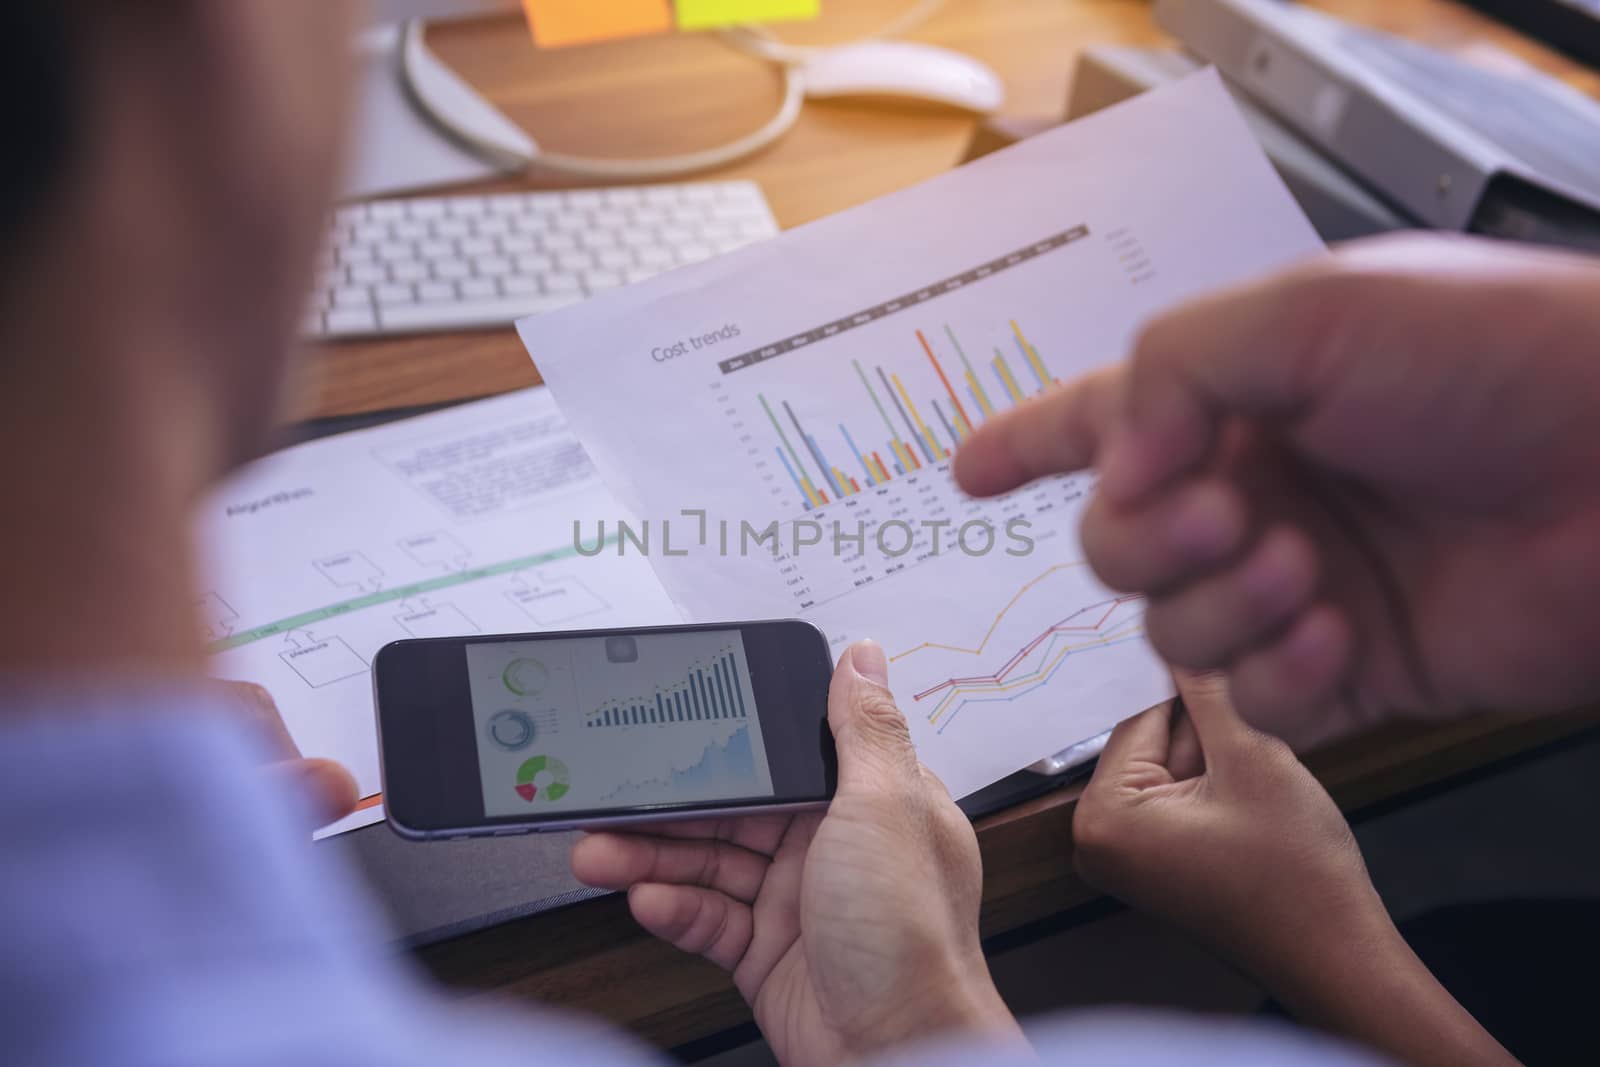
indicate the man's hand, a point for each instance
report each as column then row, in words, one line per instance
column 1219, row 829
column 1372, row 478
column 848, row 932
column 328, row 787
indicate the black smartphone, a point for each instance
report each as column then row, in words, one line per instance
column 553, row 731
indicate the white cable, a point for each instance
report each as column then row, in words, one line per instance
column 794, row 95
column 414, row 56
column 760, row 42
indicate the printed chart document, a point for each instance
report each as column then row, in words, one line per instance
column 783, row 418
column 451, row 524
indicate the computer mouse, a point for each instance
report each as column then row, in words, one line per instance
column 904, row 70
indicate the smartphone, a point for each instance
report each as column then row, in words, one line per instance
column 512, row 734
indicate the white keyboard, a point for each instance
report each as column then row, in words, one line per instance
column 469, row 262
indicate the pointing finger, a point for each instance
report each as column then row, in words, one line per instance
column 1056, row 433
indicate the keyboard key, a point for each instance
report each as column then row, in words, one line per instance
column 742, row 193
column 475, row 246
column 436, row 249
column 386, row 211
column 533, row 263
column 464, row 207
column 478, row 288
column 408, row 270
column 436, row 292
column 656, row 256
column 491, row 226
column 426, row 208
column 351, row 296
column 595, row 280
column 351, row 320
column 614, row 258
column 395, row 293
column 514, row 243
column 636, row 237
column 560, row 242
column 519, row 285
column 491, row 266
column 574, row 260
column 451, row 269
column 502, row 311
column 694, row 253
column 368, row 273
column 559, row 283
column 450, row 228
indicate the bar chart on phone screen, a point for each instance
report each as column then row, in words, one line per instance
column 803, row 401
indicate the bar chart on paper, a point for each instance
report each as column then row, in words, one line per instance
column 819, row 386
column 850, row 424
column 992, row 622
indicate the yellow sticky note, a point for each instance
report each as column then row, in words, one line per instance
column 557, row 23
column 709, row 14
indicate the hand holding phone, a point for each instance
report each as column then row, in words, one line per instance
column 552, row 731
column 848, row 933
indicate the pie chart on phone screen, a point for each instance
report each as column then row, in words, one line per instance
column 542, row 778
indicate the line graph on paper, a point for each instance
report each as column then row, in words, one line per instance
column 1016, row 659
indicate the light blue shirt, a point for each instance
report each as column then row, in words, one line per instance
column 161, row 904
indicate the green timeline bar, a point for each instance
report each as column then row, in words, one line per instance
column 384, row 596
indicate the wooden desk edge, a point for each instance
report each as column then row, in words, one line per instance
column 593, row 958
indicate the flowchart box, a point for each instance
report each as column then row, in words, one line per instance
column 324, row 662
column 446, row 620
column 548, row 603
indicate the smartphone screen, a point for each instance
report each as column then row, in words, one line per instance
column 602, row 726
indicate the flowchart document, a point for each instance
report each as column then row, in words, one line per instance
column 451, row 524
column 782, row 420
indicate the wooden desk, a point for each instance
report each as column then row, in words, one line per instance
column 673, row 94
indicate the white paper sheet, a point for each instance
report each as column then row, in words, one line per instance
column 846, row 360
column 454, row 523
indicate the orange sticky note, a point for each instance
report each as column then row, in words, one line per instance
column 709, row 14
column 557, row 23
